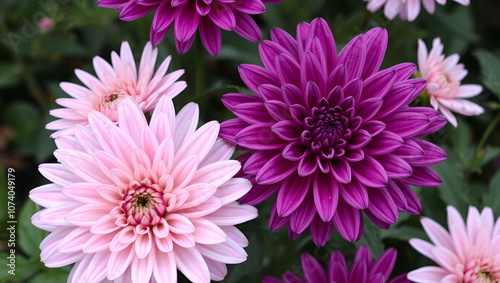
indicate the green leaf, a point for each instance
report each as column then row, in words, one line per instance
column 371, row 238
column 10, row 75
column 22, row 270
column 490, row 70
column 29, row 237
column 51, row 275
column 492, row 198
column 403, row 233
column 452, row 191
column 25, row 119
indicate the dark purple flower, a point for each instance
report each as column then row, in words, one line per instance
column 363, row 270
column 187, row 15
column 331, row 134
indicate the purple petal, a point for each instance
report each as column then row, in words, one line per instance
column 288, row 70
column 254, row 76
column 186, row 22
column 382, row 224
column 183, row 46
column 359, row 271
column 321, row 30
column 313, row 271
column 293, row 95
column 311, row 72
column 302, row 217
column 368, row 108
column 397, row 196
column 406, row 124
column 337, row 269
column 164, row 17
column 222, row 16
column 291, row 278
column 382, row 206
column 370, row 172
column 275, row 170
column 269, row 51
column 286, row 41
column 257, row 160
column 278, row 110
column 270, row 92
column 376, row 45
column 397, row 97
column 384, row 263
column 338, row 77
column 378, row 85
column 268, row 279
column 246, row 26
column 210, row 36
column 395, row 166
column 349, row 221
column 230, row 128
column 275, row 221
column 364, row 253
column 250, row 6
column 259, row 193
column 298, row 112
column 259, row 137
column 383, row 143
column 307, row 165
column 287, row 130
column 303, row 36
column 353, row 56
column 423, row 177
column 295, row 151
column 335, row 96
column 355, row 194
column 341, row 170
column 230, row 100
column 133, row 11
column 321, row 231
column 432, row 154
column 354, row 89
column 409, row 150
column 292, row 192
column 312, row 94
column 414, row 206
column 404, row 70
column 252, row 112
column 326, row 195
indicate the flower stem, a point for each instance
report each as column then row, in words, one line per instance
column 484, row 138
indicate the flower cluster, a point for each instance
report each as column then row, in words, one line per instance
column 408, row 10
column 187, row 16
column 468, row 253
column 331, row 134
column 443, row 76
column 363, row 269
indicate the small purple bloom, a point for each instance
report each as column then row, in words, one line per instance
column 185, row 16
column 363, row 269
column 331, row 134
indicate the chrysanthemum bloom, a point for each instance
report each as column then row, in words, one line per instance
column 135, row 202
column 363, row 269
column 186, row 16
column 469, row 253
column 332, row 135
column 408, row 10
column 443, row 77
column 114, row 83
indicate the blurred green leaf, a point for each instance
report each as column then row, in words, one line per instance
column 24, row 118
column 3, row 193
column 10, row 75
column 371, row 238
column 23, row 268
column 490, row 70
column 403, row 233
column 51, row 275
column 29, row 237
column 492, row 198
column 453, row 189
column 490, row 153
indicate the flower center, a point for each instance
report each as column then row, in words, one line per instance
column 482, row 271
column 487, row 277
column 325, row 131
column 112, row 98
column 143, row 205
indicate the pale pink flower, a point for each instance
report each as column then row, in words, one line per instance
column 408, row 10
column 469, row 253
column 114, row 82
column 443, row 76
column 134, row 202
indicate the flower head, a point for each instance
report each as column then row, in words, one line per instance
column 187, row 16
column 113, row 83
column 332, row 135
column 408, row 10
column 363, row 269
column 443, row 76
column 468, row 253
column 137, row 201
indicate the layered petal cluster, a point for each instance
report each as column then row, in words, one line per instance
column 187, row 16
column 135, row 202
column 331, row 134
column 113, row 83
column 408, row 10
column 363, row 269
column 443, row 76
column 468, row 253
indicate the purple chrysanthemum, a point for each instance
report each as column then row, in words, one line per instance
column 187, row 15
column 332, row 135
column 363, row 269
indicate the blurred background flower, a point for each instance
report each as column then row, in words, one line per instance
column 408, row 10
column 469, row 252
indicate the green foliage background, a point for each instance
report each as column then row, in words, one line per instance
column 33, row 62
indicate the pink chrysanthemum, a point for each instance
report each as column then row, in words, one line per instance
column 469, row 253
column 363, row 269
column 135, row 202
column 331, row 134
column 443, row 76
column 186, row 16
column 408, row 10
column 114, row 83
